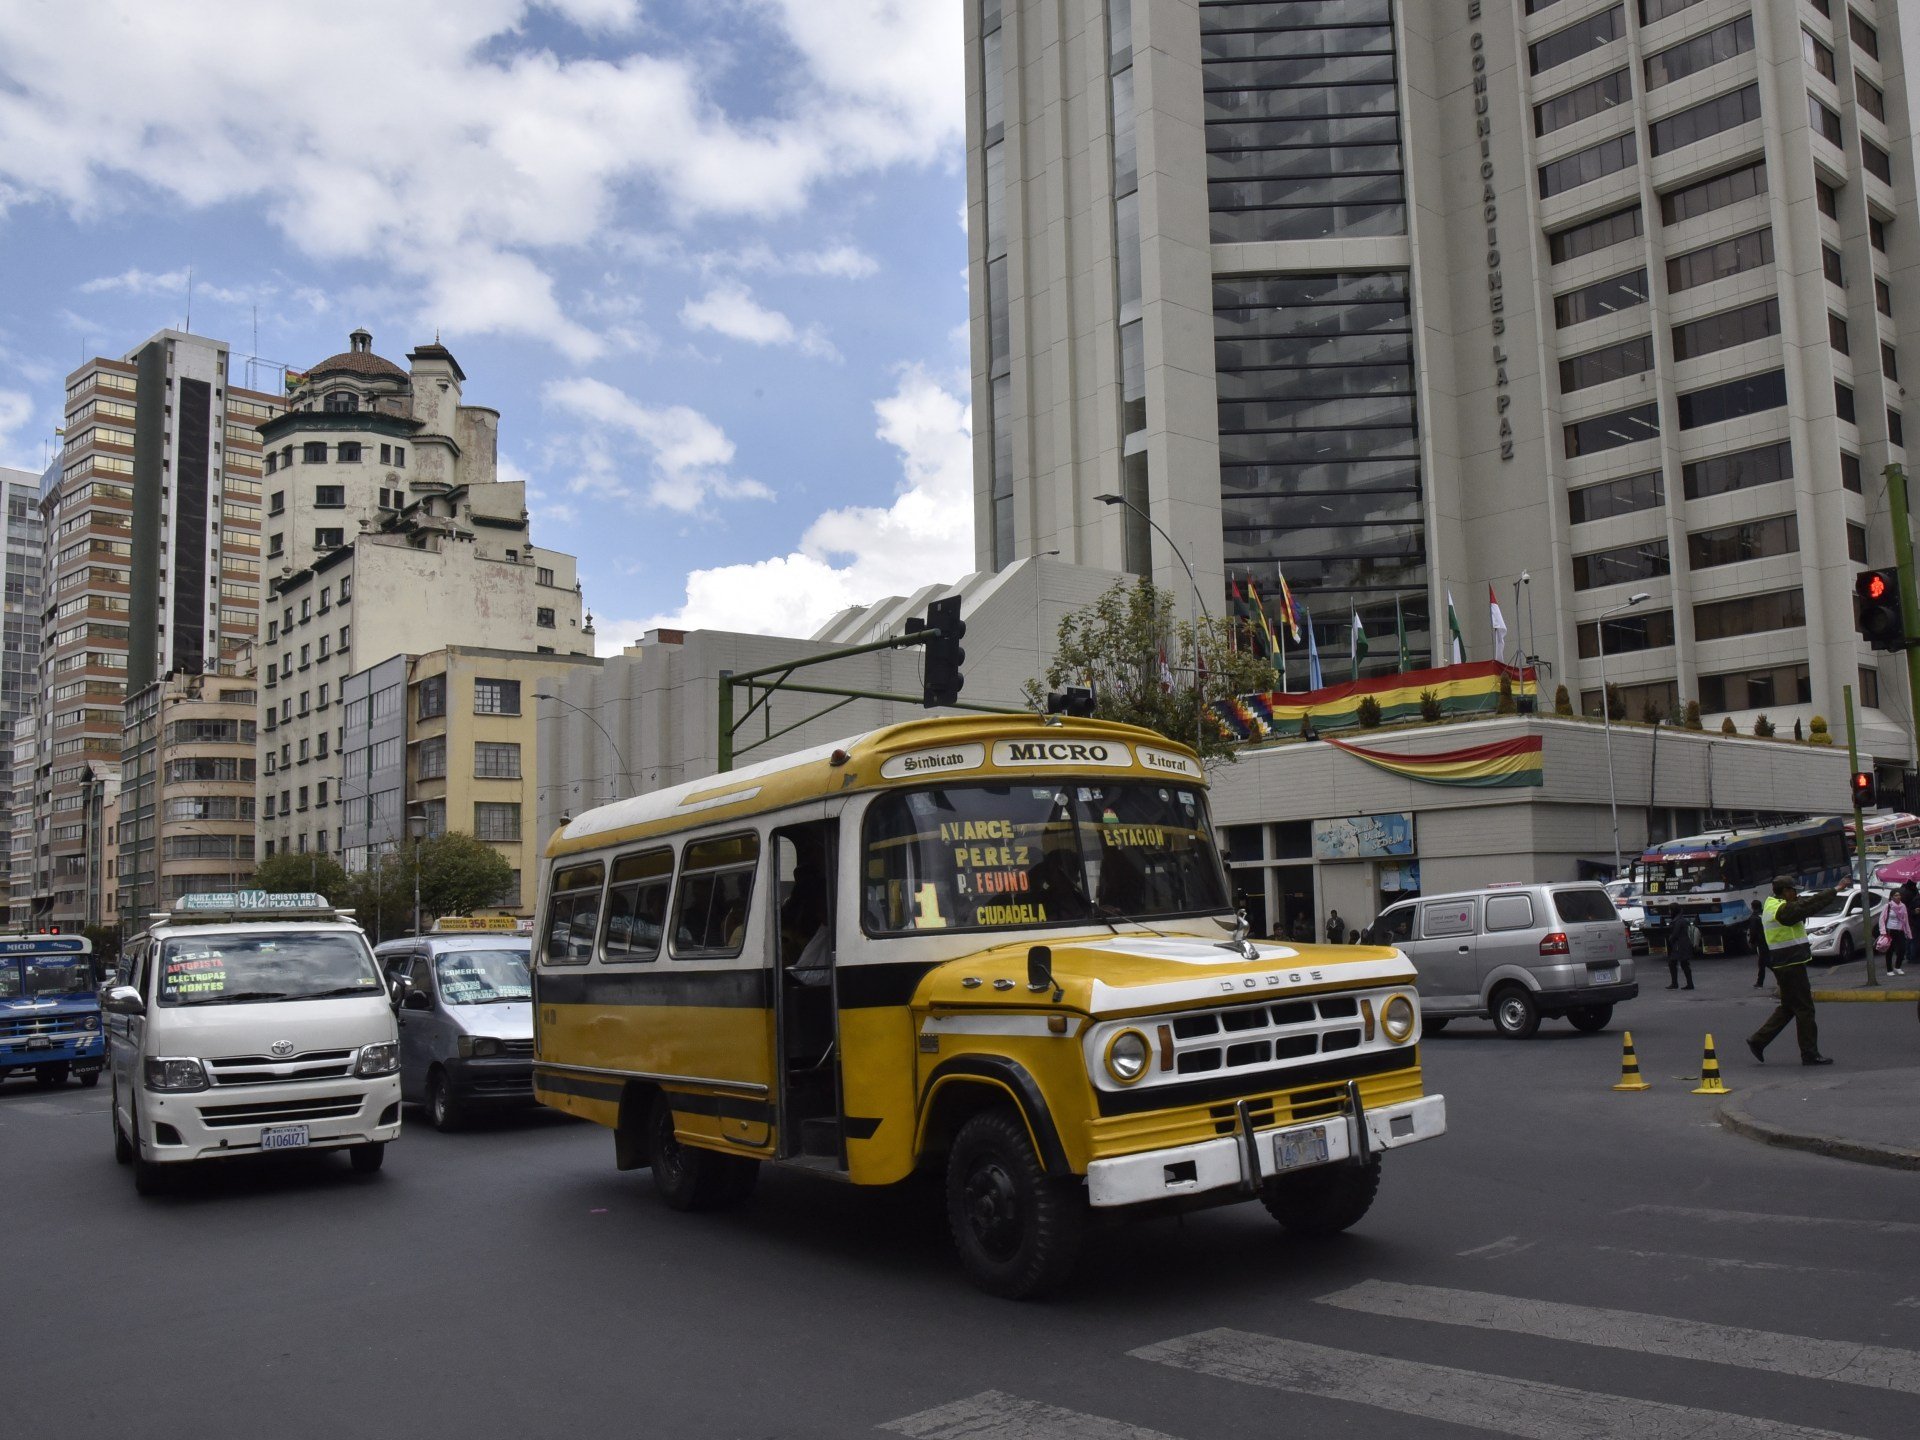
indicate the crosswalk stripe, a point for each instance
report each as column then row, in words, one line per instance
column 1530, row 1409
column 1755, row 1217
column 1852, row 1364
column 994, row 1415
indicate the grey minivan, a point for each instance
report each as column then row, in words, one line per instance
column 1515, row 954
column 466, row 1022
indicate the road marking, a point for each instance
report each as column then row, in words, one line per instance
column 993, row 1415
column 1754, row 1217
column 1880, row 1366
column 1505, row 1245
column 1531, row 1409
column 1721, row 1262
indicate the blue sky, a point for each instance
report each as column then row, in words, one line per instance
column 705, row 256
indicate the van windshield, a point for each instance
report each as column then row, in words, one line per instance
column 289, row 965
column 483, row 977
column 987, row 857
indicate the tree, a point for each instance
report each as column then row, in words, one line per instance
column 1692, row 721
column 1368, row 713
column 1430, row 710
column 106, row 946
column 457, row 874
column 1797, row 732
column 1763, row 727
column 1817, row 733
column 1562, row 701
column 1727, row 727
column 1115, row 645
column 294, row 873
column 1504, row 704
column 1652, row 712
column 1616, row 706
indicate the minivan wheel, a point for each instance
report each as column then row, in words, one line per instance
column 443, row 1110
column 368, row 1158
column 1515, row 1015
column 122, row 1147
column 1590, row 1018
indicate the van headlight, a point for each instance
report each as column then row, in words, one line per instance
column 174, row 1076
column 478, row 1047
column 1127, row 1056
column 1397, row 1018
column 381, row 1059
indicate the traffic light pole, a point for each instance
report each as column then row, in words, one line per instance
column 1909, row 601
column 1860, row 840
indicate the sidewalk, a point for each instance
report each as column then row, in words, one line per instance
column 1872, row 1116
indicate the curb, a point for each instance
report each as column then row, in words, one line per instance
column 1735, row 1118
column 1846, row 997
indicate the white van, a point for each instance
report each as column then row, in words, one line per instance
column 250, row 1022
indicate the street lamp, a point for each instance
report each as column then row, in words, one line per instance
column 1198, row 599
column 417, row 832
column 1606, row 716
column 626, row 770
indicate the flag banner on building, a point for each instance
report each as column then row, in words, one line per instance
column 1453, row 630
column 1493, row 766
column 1263, row 626
column 1461, row 690
column 1499, row 626
column 1315, row 680
column 1288, row 612
column 1356, row 646
column 1400, row 628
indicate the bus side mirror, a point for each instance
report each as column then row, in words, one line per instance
column 123, row 1000
column 1039, row 968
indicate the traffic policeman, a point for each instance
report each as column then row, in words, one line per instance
column 1783, row 924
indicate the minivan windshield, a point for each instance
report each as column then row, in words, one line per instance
column 483, row 977
column 284, row 965
column 1011, row 856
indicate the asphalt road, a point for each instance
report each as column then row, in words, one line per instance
column 509, row 1281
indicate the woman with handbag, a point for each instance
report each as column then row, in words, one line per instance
column 1896, row 932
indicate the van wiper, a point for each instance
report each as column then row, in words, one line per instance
column 1112, row 915
column 340, row 990
column 239, row 997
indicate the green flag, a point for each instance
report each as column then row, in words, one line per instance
column 1400, row 625
column 1453, row 630
column 1358, row 646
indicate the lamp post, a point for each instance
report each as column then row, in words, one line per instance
column 1606, row 716
column 626, row 770
column 1199, row 600
column 417, row 832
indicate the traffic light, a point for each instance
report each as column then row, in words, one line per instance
column 1877, row 606
column 1862, row 785
column 942, row 678
column 1076, row 700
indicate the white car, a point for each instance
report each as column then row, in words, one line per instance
column 1627, row 901
column 1839, row 933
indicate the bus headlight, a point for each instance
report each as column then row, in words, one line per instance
column 1396, row 1018
column 1127, row 1056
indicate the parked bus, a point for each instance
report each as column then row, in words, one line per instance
column 997, row 949
column 50, row 1009
column 1890, row 833
column 1717, row 879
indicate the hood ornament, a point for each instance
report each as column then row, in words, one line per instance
column 1238, row 941
column 282, row 1048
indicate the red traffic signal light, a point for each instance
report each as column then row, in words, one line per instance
column 1862, row 785
column 1877, row 612
column 1874, row 587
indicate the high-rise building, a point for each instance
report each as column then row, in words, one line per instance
column 388, row 533
column 151, row 568
column 1407, row 300
column 21, row 542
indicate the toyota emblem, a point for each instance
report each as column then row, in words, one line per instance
column 283, row 1047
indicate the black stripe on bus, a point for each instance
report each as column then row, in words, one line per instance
column 724, row 1107
column 586, row 1086
column 718, row 989
column 869, row 987
column 860, row 1127
column 1249, row 1084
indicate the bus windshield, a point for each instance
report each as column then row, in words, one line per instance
column 1680, row 877
column 1002, row 857
column 60, row 975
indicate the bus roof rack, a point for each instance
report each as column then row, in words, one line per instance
column 232, row 905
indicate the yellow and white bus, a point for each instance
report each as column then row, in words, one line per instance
column 1000, row 948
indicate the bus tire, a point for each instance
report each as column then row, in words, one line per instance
column 1435, row 1025
column 1324, row 1200
column 1017, row 1230
column 1515, row 1013
column 49, row 1077
column 1590, row 1019
column 689, row 1178
column 90, row 1079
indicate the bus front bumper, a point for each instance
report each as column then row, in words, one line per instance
column 1246, row 1159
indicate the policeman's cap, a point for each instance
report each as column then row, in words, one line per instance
column 1785, row 885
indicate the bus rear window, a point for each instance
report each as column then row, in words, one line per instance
column 573, row 914
column 1585, row 906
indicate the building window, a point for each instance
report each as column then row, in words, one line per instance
column 328, row 539
column 1715, row 262
column 330, row 497
column 1592, row 235
column 1856, row 543
column 1877, row 233
column 1608, row 432
column 1749, row 615
column 1577, row 39
column 324, row 647
column 497, row 820
column 1878, row 163
column 340, row 402
column 1830, row 264
column 1656, row 697
column 1731, row 399
column 272, row 462
column 496, row 761
column 1645, row 561
column 430, row 758
column 1837, row 334
column 1710, row 117
column 321, row 699
column 1625, row 496
column 276, row 544
column 349, row 452
column 305, row 696
column 1889, row 362
column 1628, row 633
column 1756, row 689
column 1707, row 49
column 1747, row 540
column 496, row 697
column 1655, row 10
column 1870, row 687
column 1741, row 470
column 1827, row 197
column 1872, row 99
column 1603, row 297
column 400, row 456
column 1727, row 329
column 1819, row 55
column 314, row 452
column 1714, row 193
column 1582, row 102
column 1843, row 402
column 1850, row 475
column 269, row 805
column 1825, row 121
column 1583, row 167
column 543, row 576
column 1896, row 428
column 432, row 697
column 306, row 656
column 277, row 503
column 346, row 591
column 1865, row 37
column 303, row 750
column 1611, row 362
column 1883, row 297
column 543, row 617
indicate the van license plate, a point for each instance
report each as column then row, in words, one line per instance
column 1603, row 977
column 1295, row 1148
column 283, row 1137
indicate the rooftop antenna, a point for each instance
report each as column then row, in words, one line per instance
column 189, row 325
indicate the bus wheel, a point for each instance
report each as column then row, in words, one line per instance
column 688, row 1177
column 1018, row 1232
column 1514, row 1013
column 47, row 1077
column 90, row 1079
column 1324, row 1200
column 1590, row 1018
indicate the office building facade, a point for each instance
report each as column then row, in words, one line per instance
column 1402, row 300
column 21, row 542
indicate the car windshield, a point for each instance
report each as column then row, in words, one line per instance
column 991, row 857
column 61, row 975
column 221, row 969
column 483, row 977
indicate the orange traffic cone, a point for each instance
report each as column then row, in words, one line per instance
column 1710, row 1083
column 1630, row 1077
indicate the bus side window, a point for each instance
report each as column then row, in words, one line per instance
column 637, row 906
column 573, row 914
column 716, row 891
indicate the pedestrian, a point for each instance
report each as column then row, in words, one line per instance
column 1756, row 931
column 1784, row 920
column 1679, row 949
column 1896, row 923
column 1302, row 930
column 1336, row 928
column 1353, row 937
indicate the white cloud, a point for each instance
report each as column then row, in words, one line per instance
column 687, row 455
column 138, row 282
column 449, row 153
column 729, row 309
column 16, row 415
column 856, row 555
